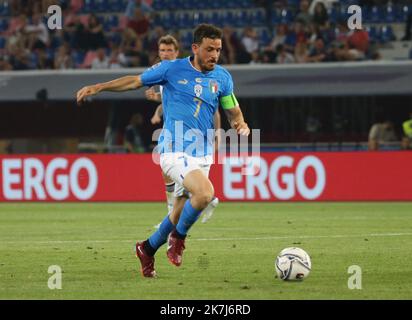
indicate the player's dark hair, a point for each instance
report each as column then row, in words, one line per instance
column 206, row 31
column 168, row 39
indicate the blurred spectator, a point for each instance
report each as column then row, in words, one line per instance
column 132, row 46
column 132, row 136
column 269, row 52
column 45, row 4
column 230, row 47
column 296, row 35
column 44, row 59
column 320, row 15
column 4, row 64
column 101, row 61
column 75, row 32
column 342, row 33
column 251, row 44
column 95, row 35
column 318, row 52
column 358, row 41
column 139, row 24
column 16, row 48
column 63, row 59
column 117, row 59
column 408, row 27
column 233, row 50
column 279, row 36
column 75, row 5
column 132, row 5
column 303, row 15
column 328, row 4
column 282, row 56
column 17, row 38
column 22, row 7
column 38, row 33
column 381, row 132
column 339, row 51
column 301, row 52
column 85, row 34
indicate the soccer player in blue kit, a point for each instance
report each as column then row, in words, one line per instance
column 193, row 87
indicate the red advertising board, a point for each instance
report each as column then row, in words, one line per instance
column 322, row 176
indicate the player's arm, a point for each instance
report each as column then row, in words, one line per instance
column 217, row 120
column 234, row 114
column 158, row 114
column 121, row 84
column 236, row 120
column 218, row 125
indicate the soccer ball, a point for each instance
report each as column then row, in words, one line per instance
column 293, row 264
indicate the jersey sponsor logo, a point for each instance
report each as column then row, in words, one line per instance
column 184, row 81
column 198, row 90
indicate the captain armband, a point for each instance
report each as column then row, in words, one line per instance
column 229, row 102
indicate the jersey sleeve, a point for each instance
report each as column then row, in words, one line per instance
column 157, row 74
column 227, row 98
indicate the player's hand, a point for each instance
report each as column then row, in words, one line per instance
column 242, row 128
column 150, row 94
column 155, row 119
column 85, row 92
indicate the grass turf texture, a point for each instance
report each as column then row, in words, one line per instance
column 94, row 246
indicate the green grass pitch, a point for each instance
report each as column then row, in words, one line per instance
column 230, row 257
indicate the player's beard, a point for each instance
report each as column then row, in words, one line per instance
column 204, row 65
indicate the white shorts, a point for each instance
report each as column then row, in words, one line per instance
column 178, row 164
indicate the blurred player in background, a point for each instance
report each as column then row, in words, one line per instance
column 169, row 50
column 407, row 132
column 192, row 90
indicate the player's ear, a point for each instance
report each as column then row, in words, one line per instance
column 195, row 48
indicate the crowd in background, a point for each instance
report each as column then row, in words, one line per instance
column 84, row 42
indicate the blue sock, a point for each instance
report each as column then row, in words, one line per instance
column 187, row 219
column 159, row 238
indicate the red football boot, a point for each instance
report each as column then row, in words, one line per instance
column 147, row 261
column 175, row 249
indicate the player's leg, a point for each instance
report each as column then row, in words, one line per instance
column 177, row 208
column 173, row 166
column 184, row 171
column 170, row 191
column 201, row 189
column 209, row 210
column 146, row 250
column 158, row 238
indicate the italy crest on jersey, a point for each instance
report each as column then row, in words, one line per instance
column 213, row 86
column 198, row 90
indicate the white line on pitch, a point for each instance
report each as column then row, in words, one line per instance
column 223, row 239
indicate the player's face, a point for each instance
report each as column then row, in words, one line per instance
column 207, row 53
column 168, row 52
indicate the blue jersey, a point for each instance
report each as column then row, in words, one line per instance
column 190, row 99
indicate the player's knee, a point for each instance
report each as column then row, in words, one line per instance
column 204, row 199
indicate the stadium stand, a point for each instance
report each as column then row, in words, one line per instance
column 119, row 29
